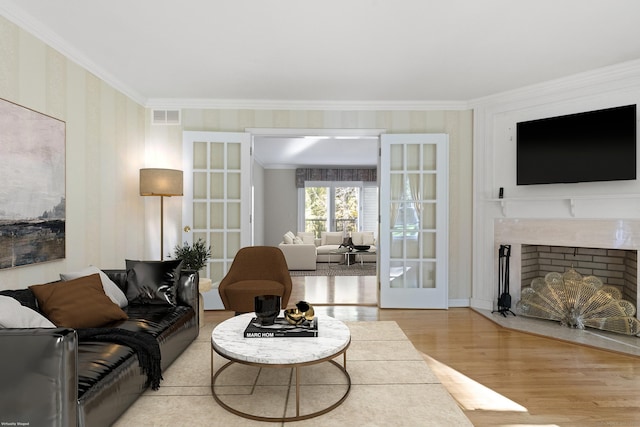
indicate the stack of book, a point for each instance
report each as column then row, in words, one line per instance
column 281, row 329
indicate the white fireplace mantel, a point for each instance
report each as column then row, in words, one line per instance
column 570, row 200
column 586, row 233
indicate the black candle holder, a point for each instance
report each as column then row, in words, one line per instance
column 267, row 308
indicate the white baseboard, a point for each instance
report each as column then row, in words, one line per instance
column 482, row 304
column 462, row 302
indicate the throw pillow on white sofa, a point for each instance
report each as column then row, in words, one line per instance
column 307, row 238
column 331, row 238
column 362, row 238
column 288, row 237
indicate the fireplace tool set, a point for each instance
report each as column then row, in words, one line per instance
column 504, row 298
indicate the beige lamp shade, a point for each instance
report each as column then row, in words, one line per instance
column 160, row 182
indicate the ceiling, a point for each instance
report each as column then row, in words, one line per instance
column 331, row 53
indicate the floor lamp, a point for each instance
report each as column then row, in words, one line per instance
column 163, row 183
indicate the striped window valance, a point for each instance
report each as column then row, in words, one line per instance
column 316, row 174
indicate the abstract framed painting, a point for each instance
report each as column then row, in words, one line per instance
column 32, row 186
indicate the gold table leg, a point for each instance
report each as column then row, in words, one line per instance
column 298, row 417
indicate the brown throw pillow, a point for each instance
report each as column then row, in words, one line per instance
column 77, row 303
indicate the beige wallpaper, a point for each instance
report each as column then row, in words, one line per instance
column 104, row 151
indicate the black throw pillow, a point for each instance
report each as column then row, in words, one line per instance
column 153, row 282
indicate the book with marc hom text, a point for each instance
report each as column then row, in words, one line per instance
column 281, row 329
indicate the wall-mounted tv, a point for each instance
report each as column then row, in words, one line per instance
column 585, row 147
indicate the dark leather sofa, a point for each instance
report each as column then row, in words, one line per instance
column 49, row 378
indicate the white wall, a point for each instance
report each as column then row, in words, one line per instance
column 495, row 164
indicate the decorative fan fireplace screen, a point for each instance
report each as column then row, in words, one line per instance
column 578, row 302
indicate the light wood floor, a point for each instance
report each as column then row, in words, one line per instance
column 499, row 377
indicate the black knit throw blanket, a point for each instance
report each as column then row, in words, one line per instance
column 145, row 346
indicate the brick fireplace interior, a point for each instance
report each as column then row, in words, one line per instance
column 614, row 267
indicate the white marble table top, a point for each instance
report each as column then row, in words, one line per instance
column 228, row 340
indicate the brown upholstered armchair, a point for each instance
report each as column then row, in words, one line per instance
column 256, row 270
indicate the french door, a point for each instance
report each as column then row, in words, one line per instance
column 217, row 198
column 413, row 221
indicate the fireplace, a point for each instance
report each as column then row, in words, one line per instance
column 611, row 243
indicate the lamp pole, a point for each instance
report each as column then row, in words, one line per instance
column 161, row 228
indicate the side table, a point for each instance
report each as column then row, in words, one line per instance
column 204, row 285
column 349, row 256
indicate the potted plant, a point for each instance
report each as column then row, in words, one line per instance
column 194, row 257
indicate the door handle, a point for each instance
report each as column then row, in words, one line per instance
column 187, row 229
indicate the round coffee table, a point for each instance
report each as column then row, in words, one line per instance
column 227, row 339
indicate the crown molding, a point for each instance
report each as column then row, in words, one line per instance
column 37, row 29
column 257, row 104
column 610, row 78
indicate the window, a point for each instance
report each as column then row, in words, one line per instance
column 316, row 209
column 339, row 206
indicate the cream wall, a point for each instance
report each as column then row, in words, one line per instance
column 105, row 136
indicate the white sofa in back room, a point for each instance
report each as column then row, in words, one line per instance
column 302, row 251
column 299, row 251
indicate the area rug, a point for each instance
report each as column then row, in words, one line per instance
column 334, row 269
column 392, row 385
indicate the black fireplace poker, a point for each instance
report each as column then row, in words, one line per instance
column 504, row 298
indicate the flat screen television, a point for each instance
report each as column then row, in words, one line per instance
column 585, row 147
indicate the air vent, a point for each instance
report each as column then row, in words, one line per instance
column 165, row 117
